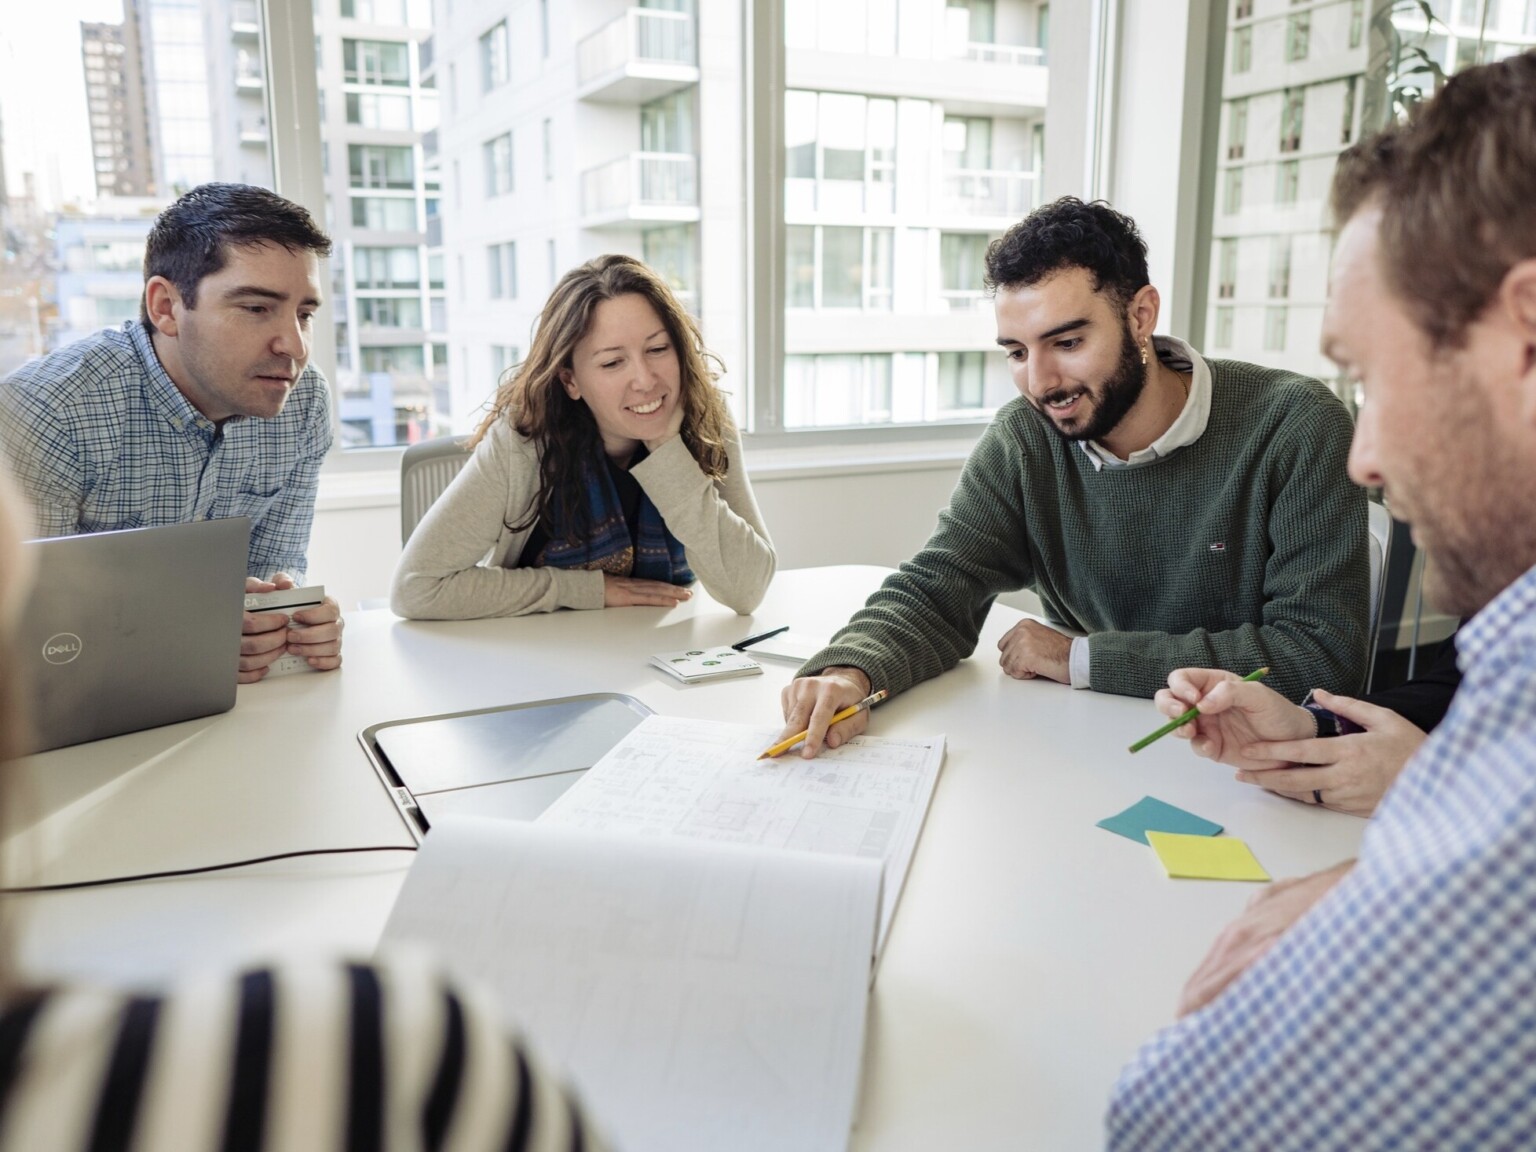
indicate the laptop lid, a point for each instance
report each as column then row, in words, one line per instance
column 133, row 629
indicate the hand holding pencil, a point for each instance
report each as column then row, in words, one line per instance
column 1210, row 705
column 838, row 717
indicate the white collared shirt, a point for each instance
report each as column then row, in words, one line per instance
column 1186, row 428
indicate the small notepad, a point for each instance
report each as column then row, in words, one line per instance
column 1150, row 814
column 701, row 665
column 1205, row 857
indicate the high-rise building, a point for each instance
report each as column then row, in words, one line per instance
column 914, row 133
column 1294, row 95
column 115, row 100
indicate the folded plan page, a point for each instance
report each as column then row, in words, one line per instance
column 702, row 779
column 701, row 997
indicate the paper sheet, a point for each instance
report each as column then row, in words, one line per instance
column 700, row 997
column 702, row 779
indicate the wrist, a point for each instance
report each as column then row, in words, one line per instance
column 856, row 676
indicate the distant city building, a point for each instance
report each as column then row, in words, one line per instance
column 99, row 257
column 1293, row 97
column 115, row 100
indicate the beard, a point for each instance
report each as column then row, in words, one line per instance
column 1111, row 400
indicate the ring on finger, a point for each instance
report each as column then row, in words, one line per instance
column 1317, row 795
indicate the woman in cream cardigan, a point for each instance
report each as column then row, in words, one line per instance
column 607, row 473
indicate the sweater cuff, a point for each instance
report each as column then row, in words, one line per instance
column 1330, row 723
column 579, row 588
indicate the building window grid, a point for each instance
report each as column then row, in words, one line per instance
column 1242, row 49
column 1347, row 131
column 1226, row 286
column 1274, row 328
column 1298, row 37
column 495, row 58
column 1293, row 110
column 1287, row 181
column 831, row 267
column 497, row 157
column 1237, row 129
column 376, row 62
column 501, row 270
column 1280, row 267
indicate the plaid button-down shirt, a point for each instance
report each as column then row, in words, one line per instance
column 1400, row 1012
column 102, row 439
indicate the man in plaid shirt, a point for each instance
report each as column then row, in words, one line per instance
column 203, row 408
column 1390, row 1002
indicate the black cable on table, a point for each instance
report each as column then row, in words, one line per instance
column 204, row 868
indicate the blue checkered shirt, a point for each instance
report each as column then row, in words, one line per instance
column 102, row 439
column 1400, row 1012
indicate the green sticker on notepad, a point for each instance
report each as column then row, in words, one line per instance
column 1150, row 814
column 1205, row 857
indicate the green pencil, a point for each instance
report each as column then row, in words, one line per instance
column 1179, row 722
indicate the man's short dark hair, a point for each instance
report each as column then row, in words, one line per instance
column 1068, row 233
column 191, row 239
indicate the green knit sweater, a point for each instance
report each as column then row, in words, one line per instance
column 1246, row 548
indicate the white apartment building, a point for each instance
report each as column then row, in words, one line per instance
column 913, row 134
column 1293, row 97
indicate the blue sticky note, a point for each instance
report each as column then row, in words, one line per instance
column 1152, row 815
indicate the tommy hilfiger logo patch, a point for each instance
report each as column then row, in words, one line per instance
column 1219, row 546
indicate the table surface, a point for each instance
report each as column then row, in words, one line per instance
column 1030, row 955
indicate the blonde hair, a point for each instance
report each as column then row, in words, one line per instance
column 534, row 400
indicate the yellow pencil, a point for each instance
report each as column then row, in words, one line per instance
column 852, row 710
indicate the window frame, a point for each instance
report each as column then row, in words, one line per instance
column 1078, row 147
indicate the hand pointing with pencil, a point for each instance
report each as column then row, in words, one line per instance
column 811, row 703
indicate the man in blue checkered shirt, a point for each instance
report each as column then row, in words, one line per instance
column 203, row 408
column 1390, row 1002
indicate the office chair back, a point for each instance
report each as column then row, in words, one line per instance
column 425, row 470
column 1381, row 547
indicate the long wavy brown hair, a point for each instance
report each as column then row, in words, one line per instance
column 563, row 429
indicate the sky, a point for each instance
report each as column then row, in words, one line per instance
column 42, row 95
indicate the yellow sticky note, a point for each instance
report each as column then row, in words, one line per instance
column 1205, row 857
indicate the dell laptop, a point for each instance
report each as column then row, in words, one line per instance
column 133, row 629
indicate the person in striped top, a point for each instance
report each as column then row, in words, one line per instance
column 312, row 1054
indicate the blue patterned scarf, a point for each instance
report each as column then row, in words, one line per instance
column 655, row 554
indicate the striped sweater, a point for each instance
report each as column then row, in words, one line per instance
column 1245, row 548
column 296, row 1057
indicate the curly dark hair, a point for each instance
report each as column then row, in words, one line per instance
column 1068, row 233
column 533, row 399
column 191, row 239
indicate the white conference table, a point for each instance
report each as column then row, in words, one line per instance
column 1031, row 952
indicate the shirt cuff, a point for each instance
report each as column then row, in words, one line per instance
column 1079, row 664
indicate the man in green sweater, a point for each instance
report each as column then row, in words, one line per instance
column 1177, row 511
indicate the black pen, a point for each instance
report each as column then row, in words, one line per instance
column 741, row 644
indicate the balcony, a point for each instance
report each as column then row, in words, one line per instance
column 645, row 54
column 243, row 19
column 1013, row 55
column 643, row 187
column 426, row 57
column 248, row 75
column 253, row 131
column 983, row 192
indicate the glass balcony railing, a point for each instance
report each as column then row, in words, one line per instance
column 984, row 192
column 639, row 182
column 640, row 36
